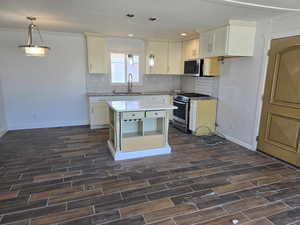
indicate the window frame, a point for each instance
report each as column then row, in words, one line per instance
column 126, row 62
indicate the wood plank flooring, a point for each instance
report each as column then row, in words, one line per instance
column 66, row 176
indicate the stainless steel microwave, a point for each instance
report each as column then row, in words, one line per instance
column 202, row 67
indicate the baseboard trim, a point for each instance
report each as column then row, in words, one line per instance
column 138, row 154
column 2, row 132
column 236, row 141
column 99, row 126
column 47, row 125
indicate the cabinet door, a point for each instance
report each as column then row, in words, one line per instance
column 175, row 59
column 220, row 42
column 207, row 44
column 99, row 114
column 241, row 41
column 194, row 48
column 191, row 49
column 160, row 52
column 96, row 48
column 185, row 51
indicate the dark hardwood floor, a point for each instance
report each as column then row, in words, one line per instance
column 67, row 176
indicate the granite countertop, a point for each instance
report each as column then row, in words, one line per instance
column 138, row 105
column 91, row 94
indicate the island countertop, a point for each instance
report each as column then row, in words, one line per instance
column 138, row 105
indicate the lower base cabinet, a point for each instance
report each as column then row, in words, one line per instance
column 203, row 115
column 98, row 114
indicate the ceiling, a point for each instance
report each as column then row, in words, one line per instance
column 108, row 16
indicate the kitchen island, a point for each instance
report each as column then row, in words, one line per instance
column 138, row 128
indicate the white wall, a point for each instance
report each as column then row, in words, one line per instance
column 3, row 126
column 238, row 86
column 241, row 84
column 44, row 92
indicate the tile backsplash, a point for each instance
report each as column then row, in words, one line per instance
column 101, row 83
column 203, row 85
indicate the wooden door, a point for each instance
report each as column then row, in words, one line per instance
column 280, row 121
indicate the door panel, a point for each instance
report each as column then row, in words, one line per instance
column 283, row 132
column 287, row 78
column 280, row 120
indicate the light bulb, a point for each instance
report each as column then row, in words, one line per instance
column 151, row 60
column 130, row 59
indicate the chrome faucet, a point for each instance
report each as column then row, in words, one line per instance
column 130, row 79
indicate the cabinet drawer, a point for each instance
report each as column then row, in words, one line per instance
column 155, row 114
column 133, row 115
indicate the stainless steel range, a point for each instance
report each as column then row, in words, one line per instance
column 181, row 115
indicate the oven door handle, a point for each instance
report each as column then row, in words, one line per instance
column 181, row 103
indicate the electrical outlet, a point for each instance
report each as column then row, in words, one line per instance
column 34, row 116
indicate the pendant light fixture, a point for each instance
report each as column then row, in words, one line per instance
column 30, row 48
column 151, row 60
column 130, row 59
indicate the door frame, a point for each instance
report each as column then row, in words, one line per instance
column 263, row 74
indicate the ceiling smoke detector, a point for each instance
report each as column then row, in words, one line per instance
column 152, row 19
column 129, row 15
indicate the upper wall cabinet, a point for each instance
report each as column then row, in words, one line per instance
column 175, row 58
column 167, row 57
column 97, row 54
column 159, row 50
column 233, row 40
column 191, row 49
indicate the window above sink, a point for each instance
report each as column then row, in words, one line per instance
column 122, row 65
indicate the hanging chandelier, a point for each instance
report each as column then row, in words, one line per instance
column 30, row 48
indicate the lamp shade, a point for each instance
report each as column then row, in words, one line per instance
column 151, row 60
column 35, row 50
column 31, row 49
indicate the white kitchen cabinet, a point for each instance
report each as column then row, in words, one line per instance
column 219, row 41
column 167, row 57
column 174, row 58
column 233, row 40
column 160, row 51
column 97, row 54
column 207, row 40
column 191, row 49
column 98, row 114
